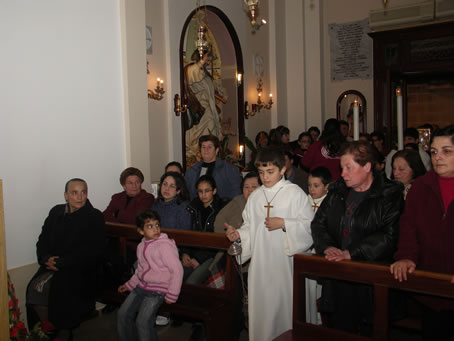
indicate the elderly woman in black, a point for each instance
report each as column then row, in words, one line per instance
column 68, row 251
column 358, row 220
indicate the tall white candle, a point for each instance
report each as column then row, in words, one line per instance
column 400, row 120
column 355, row 120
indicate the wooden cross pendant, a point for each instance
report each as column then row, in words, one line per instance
column 268, row 206
column 315, row 206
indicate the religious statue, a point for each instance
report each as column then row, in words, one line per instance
column 203, row 96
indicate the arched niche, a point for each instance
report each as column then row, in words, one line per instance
column 344, row 109
column 228, row 63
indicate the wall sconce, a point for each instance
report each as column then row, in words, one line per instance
column 158, row 92
column 239, row 78
column 260, row 104
column 253, row 9
column 177, row 106
column 241, row 151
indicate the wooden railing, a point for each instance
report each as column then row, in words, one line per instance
column 376, row 275
column 216, row 307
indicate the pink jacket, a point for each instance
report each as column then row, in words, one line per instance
column 158, row 268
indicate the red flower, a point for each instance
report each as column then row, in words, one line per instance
column 20, row 325
column 47, row 326
column 13, row 332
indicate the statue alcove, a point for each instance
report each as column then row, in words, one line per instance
column 226, row 64
column 344, row 109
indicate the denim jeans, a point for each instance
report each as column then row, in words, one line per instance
column 145, row 305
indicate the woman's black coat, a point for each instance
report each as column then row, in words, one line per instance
column 374, row 226
column 374, row 233
column 77, row 239
column 195, row 208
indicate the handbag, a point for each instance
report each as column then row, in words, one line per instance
column 216, row 279
column 40, row 282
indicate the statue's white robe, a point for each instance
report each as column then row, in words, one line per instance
column 270, row 278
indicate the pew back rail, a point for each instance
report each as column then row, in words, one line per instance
column 308, row 265
column 215, row 307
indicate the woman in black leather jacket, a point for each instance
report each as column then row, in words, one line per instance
column 358, row 220
column 203, row 210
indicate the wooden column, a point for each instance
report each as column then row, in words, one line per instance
column 4, row 315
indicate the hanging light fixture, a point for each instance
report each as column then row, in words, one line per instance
column 253, row 9
column 201, row 16
column 201, row 43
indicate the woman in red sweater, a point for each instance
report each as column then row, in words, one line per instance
column 427, row 235
column 324, row 153
column 125, row 205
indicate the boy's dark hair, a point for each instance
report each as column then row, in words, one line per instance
column 323, row 174
column 379, row 135
column 180, row 184
column 343, row 123
column 305, row 133
column 273, row 155
column 74, row 180
column 176, row 164
column 314, row 128
column 130, row 171
column 145, row 215
column 212, row 138
column 290, row 156
column 250, row 175
column 260, row 135
column 206, row 178
column 411, row 132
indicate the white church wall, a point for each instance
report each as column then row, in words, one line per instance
column 61, row 110
column 160, row 112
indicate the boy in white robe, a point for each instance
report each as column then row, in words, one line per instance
column 276, row 226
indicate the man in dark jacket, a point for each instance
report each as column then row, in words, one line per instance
column 358, row 220
column 227, row 176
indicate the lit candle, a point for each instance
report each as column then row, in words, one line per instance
column 238, row 77
column 355, row 120
column 158, row 82
column 400, row 121
column 241, row 151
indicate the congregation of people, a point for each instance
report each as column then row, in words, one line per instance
column 322, row 193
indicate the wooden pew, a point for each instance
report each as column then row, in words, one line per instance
column 378, row 276
column 215, row 307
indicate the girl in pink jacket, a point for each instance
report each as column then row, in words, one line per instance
column 158, row 278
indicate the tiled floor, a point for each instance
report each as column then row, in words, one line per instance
column 104, row 328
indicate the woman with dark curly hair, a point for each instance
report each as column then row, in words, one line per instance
column 173, row 199
column 325, row 152
column 280, row 137
column 407, row 166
